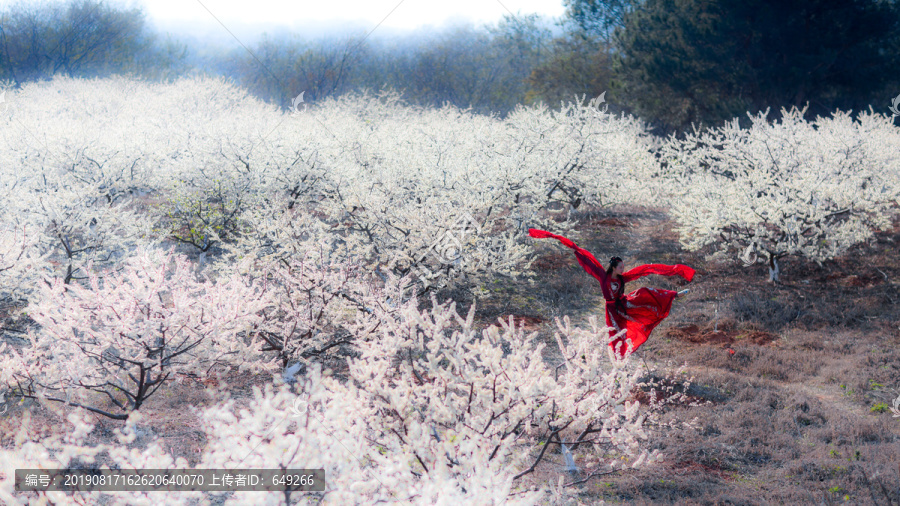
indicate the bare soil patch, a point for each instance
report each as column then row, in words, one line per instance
column 692, row 467
column 607, row 222
column 552, row 261
column 695, row 335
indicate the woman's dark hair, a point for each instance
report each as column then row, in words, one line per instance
column 613, row 262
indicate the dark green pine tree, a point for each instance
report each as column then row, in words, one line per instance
column 683, row 62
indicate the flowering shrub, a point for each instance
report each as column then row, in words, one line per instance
column 125, row 336
column 790, row 187
column 452, row 400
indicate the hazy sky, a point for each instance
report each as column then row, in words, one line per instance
column 315, row 17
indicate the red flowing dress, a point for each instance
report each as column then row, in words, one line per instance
column 638, row 312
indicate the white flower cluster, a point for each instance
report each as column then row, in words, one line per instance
column 789, row 187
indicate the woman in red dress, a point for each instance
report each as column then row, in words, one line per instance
column 638, row 312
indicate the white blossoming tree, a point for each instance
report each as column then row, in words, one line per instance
column 18, row 256
column 790, row 187
column 582, row 154
column 69, row 179
column 309, row 304
column 123, row 337
column 452, row 400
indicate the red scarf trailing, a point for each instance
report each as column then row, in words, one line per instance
column 638, row 312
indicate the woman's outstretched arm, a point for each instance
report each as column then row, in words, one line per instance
column 585, row 258
column 662, row 269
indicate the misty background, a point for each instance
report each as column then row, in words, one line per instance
column 674, row 64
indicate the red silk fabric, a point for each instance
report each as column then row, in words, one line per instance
column 638, row 312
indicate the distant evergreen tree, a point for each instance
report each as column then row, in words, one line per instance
column 580, row 61
column 599, row 18
column 701, row 61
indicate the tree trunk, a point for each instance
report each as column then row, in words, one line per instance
column 773, row 269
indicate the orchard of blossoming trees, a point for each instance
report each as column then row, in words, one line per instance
column 153, row 232
column 296, row 235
